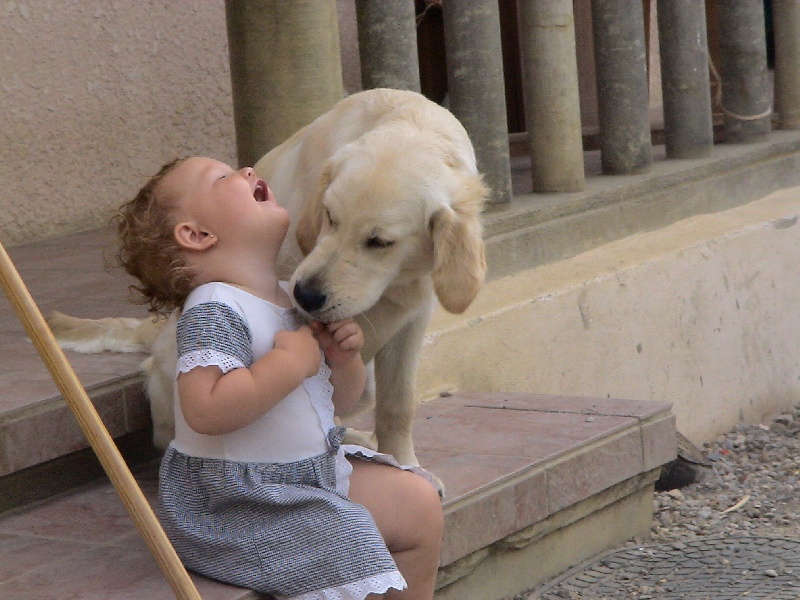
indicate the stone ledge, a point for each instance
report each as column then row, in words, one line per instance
column 522, row 472
column 517, row 461
column 517, row 564
column 536, row 229
column 33, row 435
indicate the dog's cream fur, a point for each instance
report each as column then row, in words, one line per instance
column 385, row 201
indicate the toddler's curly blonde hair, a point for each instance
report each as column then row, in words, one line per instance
column 147, row 247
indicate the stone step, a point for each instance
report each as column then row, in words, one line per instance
column 42, row 449
column 534, row 483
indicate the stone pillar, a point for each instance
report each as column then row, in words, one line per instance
column 622, row 86
column 688, row 122
column 746, row 95
column 476, row 86
column 786, row 22
column 285, row 69
column 552, row 100
column 387, row 44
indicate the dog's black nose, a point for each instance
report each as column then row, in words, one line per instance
column 308, row 296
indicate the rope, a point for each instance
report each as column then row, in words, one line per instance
column 718, row 98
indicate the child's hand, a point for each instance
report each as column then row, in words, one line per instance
column 341, row 341
column 303, row 346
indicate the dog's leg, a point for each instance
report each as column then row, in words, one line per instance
column 160, row 371
column 364, row 404
column 395, row 379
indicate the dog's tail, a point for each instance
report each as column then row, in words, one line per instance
column 114, row 334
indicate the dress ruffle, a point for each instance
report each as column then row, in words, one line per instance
column 357, row 590
column 208, row 358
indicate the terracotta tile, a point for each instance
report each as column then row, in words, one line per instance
column 572, row 404
column 593, row 468
column 469, row 474
column 20, row 554
column 108, row 573
column 41, row 437
column 5, row 465
column 442, row 405
column 105, row 367
column 21, row 389
column 538, row 435
column 147, row 479
column 659, row 443
column 94, row 515
column 484, row 520
column 54, row 432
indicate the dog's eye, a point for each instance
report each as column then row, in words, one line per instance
column 376, row 242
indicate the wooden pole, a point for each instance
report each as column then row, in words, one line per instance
column 95, row 431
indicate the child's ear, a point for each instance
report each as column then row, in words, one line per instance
column 191, row 237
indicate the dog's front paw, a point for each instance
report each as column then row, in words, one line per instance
column 361, row 438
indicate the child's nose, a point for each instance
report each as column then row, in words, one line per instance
column 247, row 172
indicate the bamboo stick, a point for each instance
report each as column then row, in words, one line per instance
column 95, row 431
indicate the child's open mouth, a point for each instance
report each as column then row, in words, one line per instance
column 260, row 194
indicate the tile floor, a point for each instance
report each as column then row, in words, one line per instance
column 66, row 274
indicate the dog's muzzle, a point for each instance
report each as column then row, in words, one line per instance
column 308, row 296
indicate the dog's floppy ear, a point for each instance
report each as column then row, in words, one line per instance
column 309, row 222
column 459, row 264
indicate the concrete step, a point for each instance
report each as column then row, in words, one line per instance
column 535, row 484
column 42, row 449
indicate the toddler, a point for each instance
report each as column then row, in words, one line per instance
column 256, row 489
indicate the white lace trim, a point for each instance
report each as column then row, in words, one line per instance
column 357, row 590
column 343, row 470
column 387, row 459
column 207, row 358
column 320, row 390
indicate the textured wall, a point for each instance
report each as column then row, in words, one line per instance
column 96, row 95
column 701, row 314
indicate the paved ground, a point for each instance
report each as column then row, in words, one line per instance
column 712, row 569
column 733, row 534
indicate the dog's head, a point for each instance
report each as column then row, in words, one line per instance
column 388, row 213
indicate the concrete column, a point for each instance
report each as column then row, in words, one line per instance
column 387, row 44
column 786, row 21
column 622, row 86
column 688, row 123
column 476, row 86
column 746, row 96
column 285, row 69
column 552, row 100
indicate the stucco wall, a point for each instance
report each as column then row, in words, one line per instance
column 97, row 94
column 701, row 314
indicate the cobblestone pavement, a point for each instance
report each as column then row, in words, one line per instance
column 733, row 534
column 708, row 569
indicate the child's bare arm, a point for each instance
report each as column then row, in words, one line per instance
column 342, row 342
column 215, row 403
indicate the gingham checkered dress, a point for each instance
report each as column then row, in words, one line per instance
column 284, row 528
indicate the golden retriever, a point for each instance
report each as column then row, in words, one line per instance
column 385, row 201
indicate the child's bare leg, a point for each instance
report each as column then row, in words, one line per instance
column 408, row 512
